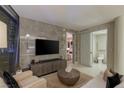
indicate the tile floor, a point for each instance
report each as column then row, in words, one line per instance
column 92, row 71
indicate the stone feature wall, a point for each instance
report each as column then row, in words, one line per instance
column 39, row 30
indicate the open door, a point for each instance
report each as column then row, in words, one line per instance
column 86, row 49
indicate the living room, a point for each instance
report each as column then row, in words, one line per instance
column 36, row 55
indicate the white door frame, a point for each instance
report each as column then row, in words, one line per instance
column 94, row 30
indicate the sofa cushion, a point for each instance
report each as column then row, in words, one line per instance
column 23, row 75
column 113, row 81
column 9, row 80
column 106, row 74
column 28, row 81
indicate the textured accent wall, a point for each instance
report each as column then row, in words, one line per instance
column 39, row 30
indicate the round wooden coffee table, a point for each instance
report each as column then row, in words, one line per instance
column 68, row 78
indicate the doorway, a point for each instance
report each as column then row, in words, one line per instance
column 93, row 52
column 99, row 52
column 69, row 47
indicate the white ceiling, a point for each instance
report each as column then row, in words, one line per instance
column 77, row 17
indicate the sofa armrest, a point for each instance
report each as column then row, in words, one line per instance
column 2, row 83
column 23, row 75
column 40, row 83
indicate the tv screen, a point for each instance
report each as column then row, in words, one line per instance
column 44, row 47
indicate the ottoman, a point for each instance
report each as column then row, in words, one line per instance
column 68, row 78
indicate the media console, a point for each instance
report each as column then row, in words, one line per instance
column 48, row 66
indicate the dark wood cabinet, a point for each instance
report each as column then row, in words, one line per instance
column 48, row 66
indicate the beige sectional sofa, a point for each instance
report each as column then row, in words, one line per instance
column 98, row 82
column 2, row 83
column 27, row 80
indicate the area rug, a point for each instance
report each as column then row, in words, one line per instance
column 54, row 82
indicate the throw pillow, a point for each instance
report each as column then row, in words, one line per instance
column 115, row 73
column 106, row 74
column 9, row 80
column 113, row 81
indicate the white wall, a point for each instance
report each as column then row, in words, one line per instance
column 119, row 45
column 101, row 42
column 94, row 47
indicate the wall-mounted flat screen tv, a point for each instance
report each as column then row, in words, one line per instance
column 45, row 47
